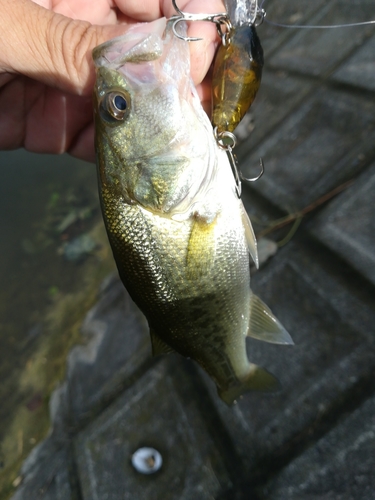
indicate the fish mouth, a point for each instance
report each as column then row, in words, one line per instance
column 145, row 57
column 141, row 43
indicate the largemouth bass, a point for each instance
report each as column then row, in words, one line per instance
column 179, row 234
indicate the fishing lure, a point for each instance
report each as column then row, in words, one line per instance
column 238, row 64
column 237, row 71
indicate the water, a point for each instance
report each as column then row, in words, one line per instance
column 46, row 202
column 29, row 264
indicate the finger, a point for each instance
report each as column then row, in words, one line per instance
column 204, row 93
column 98, row 12
column 50, row 47
column 142, row 11
column 54, row 120
column 83, row 146
column 201, row 52
column 193, row 7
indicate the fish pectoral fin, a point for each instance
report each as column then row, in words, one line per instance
column 250, row 237
column 263, row 325
column 158, row 345
column 201, row 248
column 258, row 379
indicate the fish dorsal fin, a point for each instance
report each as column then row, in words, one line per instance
column 264, row 326
column 250, row 237
column 258, row 379
column 158, row 345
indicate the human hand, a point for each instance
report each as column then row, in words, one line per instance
column 46, row 72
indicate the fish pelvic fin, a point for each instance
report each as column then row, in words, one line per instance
column 201, row 248
column 158, row 345
column 250, row 237
column 258, row 379
column 263, row 325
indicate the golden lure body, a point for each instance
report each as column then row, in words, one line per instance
column 237, row 69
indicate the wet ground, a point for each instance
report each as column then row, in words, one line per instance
column 54, row 255
column 106, row 397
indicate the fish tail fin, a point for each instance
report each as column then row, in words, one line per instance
column 258, row 379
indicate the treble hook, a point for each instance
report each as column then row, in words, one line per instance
column 261, row 14
column 227, row 141
column 184, row 16
column 253, row 11
column 253, row 179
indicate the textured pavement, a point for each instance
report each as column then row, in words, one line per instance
column 315, row 438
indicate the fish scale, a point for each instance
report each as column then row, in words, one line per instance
column 149, row 257
column 179, row 233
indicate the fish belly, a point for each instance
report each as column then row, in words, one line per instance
column 190, row 279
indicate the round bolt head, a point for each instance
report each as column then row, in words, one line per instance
column 147, row 460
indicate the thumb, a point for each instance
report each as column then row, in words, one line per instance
column 50, row 47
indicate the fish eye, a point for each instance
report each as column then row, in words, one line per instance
column 116, row 104
column 119, row 102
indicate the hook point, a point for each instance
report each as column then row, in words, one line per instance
column 253, row 179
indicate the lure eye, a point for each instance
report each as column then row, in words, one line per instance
column 116, row 104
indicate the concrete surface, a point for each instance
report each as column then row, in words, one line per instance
column 315, row 129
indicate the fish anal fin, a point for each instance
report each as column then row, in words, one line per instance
column 158, row 345
column 263, row 325
column 201, row 247
column 250, row 237
column 258, row 379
